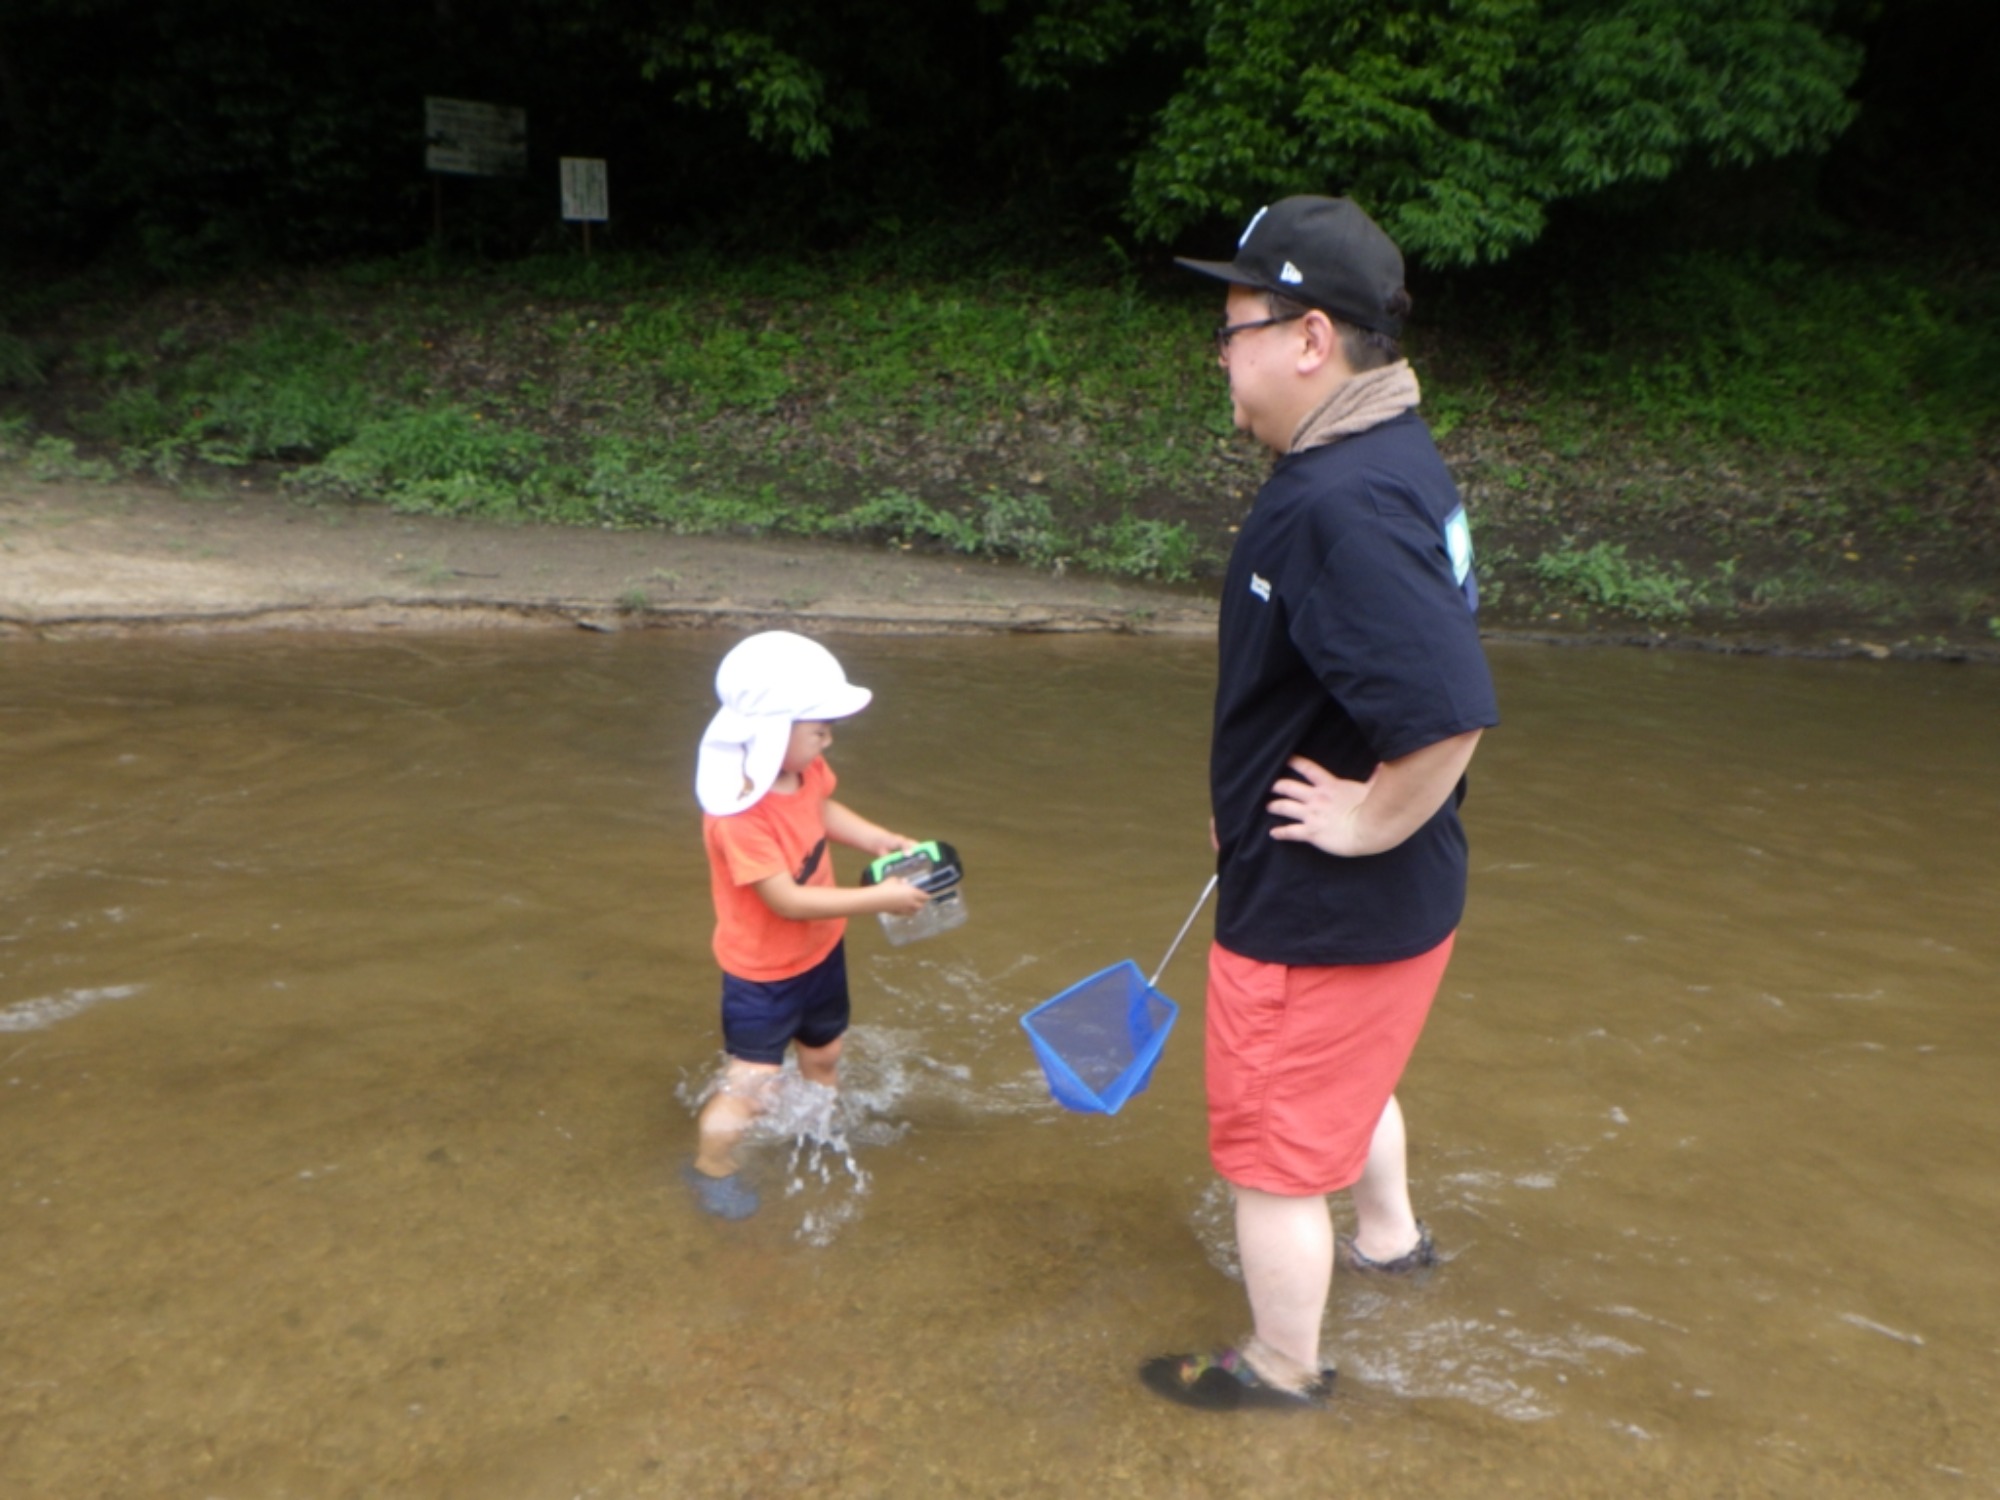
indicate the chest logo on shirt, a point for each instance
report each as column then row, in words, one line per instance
column 1261, row 587
column 811, row 863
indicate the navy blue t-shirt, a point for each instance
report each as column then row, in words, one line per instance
column 1348, row 636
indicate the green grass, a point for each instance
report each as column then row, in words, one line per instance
column 439, row 460
column 54, row 459
column 715, row 406
column 290, row 389
column 1883, row 366
column 20, row 365
column 1069, row 419
column 1602, row 576
column 1813, row 589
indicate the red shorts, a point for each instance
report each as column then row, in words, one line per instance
column 1301, row 1063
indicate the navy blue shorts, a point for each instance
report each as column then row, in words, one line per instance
column 760, row 1018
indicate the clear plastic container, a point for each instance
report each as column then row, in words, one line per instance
column 944, row 913
column 947, row 904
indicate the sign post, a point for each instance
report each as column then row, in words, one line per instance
column 586, row 193
column 463, row 138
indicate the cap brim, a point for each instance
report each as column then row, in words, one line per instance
column 844, row 702
column 1222, row 270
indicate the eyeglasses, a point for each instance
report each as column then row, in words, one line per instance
column 1224, row 332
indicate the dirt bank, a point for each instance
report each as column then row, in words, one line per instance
column 94, row 559
column 79, row 559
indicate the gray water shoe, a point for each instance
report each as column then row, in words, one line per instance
column 726, row 1197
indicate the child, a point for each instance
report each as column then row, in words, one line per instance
column 766, row 793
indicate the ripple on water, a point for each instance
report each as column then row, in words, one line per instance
column 45, row 1010
column 1504, row 1367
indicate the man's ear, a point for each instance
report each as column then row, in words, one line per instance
column 1322, row 342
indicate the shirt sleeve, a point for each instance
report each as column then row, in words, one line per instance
column 1385, row 627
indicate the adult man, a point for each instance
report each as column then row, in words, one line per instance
column 1351, row 693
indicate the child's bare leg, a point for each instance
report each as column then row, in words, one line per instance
column 736, row 1102
column 821, row 1065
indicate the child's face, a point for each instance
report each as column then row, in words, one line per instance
column 810, row 738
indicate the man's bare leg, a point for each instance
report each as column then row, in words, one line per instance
column 1385, row 1224
column 1287, row 1249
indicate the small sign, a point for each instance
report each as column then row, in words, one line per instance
column 467, row 139
column 586, row 194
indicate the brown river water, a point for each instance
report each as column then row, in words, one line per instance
column 354, row 995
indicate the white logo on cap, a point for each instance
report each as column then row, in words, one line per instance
column 1251, row 228
column 1291, row 274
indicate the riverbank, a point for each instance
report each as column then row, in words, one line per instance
column 1028, row 450
column 125, row 558
column 130, row 558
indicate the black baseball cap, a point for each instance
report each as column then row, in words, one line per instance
column 1324, row 252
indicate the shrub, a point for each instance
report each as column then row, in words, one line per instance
column 443, row 460
column 1140, row 547
column 1604, row 576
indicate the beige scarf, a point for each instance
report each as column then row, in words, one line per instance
column 1357, row 404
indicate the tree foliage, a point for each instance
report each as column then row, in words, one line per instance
column 180, row 131
column 1458, row 122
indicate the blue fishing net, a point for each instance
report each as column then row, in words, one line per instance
column 1098, row 1041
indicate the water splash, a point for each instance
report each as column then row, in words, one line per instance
column 818, row 1130
column 1387, row 1338
column 821, row 1174
column 1213, row 1220
column 812, row 1138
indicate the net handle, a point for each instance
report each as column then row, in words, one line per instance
column 1174, row 947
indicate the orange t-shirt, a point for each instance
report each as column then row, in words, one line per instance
column 781, row 833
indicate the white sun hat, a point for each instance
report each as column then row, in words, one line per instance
column 766, row 683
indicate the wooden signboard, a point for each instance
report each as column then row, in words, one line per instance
column 466, row 139
column 586, row 195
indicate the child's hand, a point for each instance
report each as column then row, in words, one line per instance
column 894, row 843
column 900, row 898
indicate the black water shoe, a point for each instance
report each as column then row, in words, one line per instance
column 1419, row 1257
column 1224, row 1381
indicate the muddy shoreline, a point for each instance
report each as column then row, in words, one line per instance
column 123, row 559
column 97, row 560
